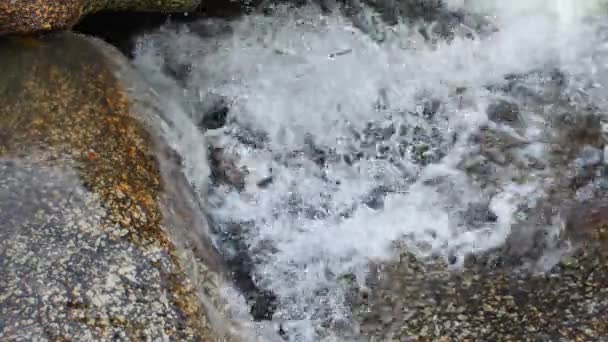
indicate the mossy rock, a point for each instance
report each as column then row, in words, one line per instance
column 100, row 234
column 27, row 16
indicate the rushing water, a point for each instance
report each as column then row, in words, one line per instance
column 355, row 134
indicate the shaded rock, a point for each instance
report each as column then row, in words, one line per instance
column 504, row 112
column 215, row 116
column 391, row 11
column 127, row 26
column 101, row 236
column 263, row 305
column 447, row 23
column 44, row 15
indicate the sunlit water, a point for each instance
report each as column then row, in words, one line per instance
column 361, row 142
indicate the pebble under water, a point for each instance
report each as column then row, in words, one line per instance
column 337, row 139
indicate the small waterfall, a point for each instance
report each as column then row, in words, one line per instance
column 346, row 144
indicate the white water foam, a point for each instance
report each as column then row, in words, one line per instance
column 303, row 84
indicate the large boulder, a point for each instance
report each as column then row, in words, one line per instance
column 101, row 235
column 27, row 16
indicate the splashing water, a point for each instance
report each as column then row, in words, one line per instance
column 351, row 144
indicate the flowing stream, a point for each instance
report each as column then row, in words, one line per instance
column 346, row 135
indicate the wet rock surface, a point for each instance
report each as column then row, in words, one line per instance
column 422, row 301
column 100, row 236
column 43, row 15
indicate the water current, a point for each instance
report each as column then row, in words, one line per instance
column 344, row 131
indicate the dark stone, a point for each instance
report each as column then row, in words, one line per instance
column 392, row 11
column 263, row 305
column 265, row 182
column 283, row 332
column 120, row 28
column 241, row 264
column 228, row 9
column 314, row 152
column 504, row 112
column 216, row 117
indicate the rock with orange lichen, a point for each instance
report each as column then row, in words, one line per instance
column 26, row 16
column 100, row 234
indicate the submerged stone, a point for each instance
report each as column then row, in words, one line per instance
column 504, row 112
column 100, row 234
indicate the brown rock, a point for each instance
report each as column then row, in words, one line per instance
column 27, row 16
column 100, row 234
